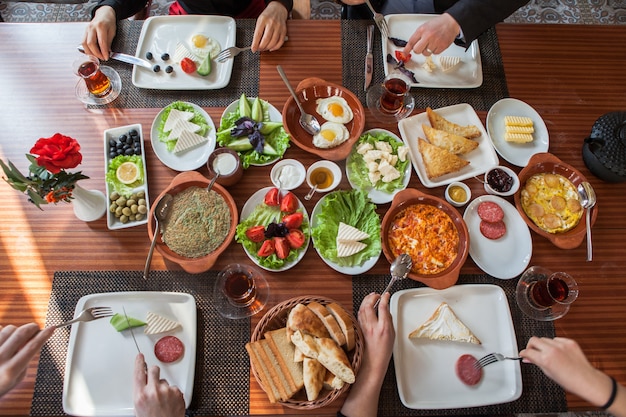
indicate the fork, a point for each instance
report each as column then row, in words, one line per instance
column 89, row 314
column 233, row 51
column 379, row 19
column 493, row 358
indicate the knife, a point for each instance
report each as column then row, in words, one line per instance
column 129, row 59
column 369, row 59
column 131, row 330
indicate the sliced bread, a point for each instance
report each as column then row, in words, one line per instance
column 345, row 323
column 314, row 373
column 284, row 351
column 302, row 318
column 262, row 369
column 329, row 321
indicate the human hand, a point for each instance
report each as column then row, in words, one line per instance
column 100, row 33
column 271, row 28
column 153, row 396
column 434, row 36
column 378, row 331
column 353, row 2
column 18, row 345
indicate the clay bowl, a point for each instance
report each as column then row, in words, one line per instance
column 308, row 91
column 194, row 265
column 548, row 163
column 409, row 197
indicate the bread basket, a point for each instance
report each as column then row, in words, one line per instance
column 276, row 318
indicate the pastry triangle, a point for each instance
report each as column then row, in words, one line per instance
column 456, row 144
column 439, row 161
column 444, row 325
column 439, row 122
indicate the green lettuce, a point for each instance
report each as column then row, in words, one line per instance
column 111, row 175
column 351, row 207
column 264, row 215
column 198, row 119
column 358, row 170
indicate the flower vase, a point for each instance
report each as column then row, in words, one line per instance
column 89, row 205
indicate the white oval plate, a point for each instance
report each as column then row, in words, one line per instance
column 256, row 199
column 516, row 153
column 190, row 159
column 348, row 270
column 275, row 116
column 377, row 196
column 502, row 258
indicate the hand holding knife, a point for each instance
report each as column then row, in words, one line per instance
column 132, row 334
column 369, row 59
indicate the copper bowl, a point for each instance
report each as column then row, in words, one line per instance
column 548, row 163
column 409, row 197
column 308, row 91
column 204, row 263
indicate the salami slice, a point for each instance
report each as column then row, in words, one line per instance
column 467, row 370
column 490, row 212
column 492, row 230
column 169, row 349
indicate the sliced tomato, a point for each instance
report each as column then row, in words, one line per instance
column 289, row 203
column 294, row 220
column 402, row 57
column 272, row 197
column 295, row 238
column 256, row 233
column 188, row 66
column 281, row 246
column 267, row 248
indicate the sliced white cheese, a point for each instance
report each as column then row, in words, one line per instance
column 349, row 233
column 448, row 62
column 391, row 176
column 403, row 151
column 429, row 65
column 188, row 140
column 182, row 52
column 174, row 117
column 349, row 248
column 180, row 127
column 364, row 147
column 383, row 146
column 158, row 324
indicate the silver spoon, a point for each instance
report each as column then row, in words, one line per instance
column 310, row 193
column 307, row 121
column 217, row 174
column 160, row 214
column 587, row 200
column 399, row 269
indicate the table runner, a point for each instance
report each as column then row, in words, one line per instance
column 222, row 366
column 244, row 78
column 493, row 88
column 539, row 394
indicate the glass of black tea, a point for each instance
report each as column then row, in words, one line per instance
column 88, row 68
column 395, row 88
column 238, row 284
column 556, row 288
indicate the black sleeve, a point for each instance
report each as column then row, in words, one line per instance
column 287, row 3
column 339, row 414
column 123, row 8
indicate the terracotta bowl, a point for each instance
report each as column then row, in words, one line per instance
column 409, row 197
column 194, row 265
column 308, row 91
column 548, row 163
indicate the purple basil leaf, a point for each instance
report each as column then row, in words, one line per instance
column 257, row 141
column 243, row 127
column 400, row 43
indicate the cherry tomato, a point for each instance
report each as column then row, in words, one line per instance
column 281, row 246
column 401, row 57
column 272, row 198
column 256, row 233
column 295, row 238
column 267, row 248
column 294, row 220
column 289, row 203
column 188, row 66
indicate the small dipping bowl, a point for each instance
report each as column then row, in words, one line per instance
column 227, row 162
column 458, row 194
column 325, row 174
column 288, row 174
column 501, row 181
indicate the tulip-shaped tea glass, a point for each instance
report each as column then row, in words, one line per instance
column 240, row 291
column 544, row 295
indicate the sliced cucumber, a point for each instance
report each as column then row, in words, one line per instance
column 269, row 127
column 244, row 106
column 257, row 110
column 240, row 145
column 120, row 322
column 205, row 67
column 269, row 150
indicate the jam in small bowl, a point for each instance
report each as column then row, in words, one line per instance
column 501, row 181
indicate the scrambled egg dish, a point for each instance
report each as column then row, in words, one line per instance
column 551, row 202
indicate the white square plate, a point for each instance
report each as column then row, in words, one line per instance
column 425, row 369
column 100, row 360
column 481, row 159
column 467, row 74
column 161, row 34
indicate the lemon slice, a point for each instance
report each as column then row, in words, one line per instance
column 127, row 173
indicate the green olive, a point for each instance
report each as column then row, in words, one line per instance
column 118, row 211
column 113, row 207
column 114, row 196
column 124, row 219
column 121, row 201
column 126, row 211
column 142, row 209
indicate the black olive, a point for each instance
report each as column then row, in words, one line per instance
column 149, row 55
column 129, row 151
column 133, row 133
column 112, row 154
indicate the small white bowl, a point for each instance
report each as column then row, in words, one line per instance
column 290, row 172
column 330, row 168
column 508, row 171
column 462, row 186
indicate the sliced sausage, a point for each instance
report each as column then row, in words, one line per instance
column 467, row 370
column 490, row 212
column 492, row 230
column 169, row 349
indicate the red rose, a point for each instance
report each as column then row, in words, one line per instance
column 57, row 153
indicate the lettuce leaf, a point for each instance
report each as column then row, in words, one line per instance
column 351, row 207
column 111, row 175
column 198, row 119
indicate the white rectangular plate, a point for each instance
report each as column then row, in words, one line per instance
column 467, row 74
column 425, row 369
column 161, row 34
column 481, row 159
column 100, row 360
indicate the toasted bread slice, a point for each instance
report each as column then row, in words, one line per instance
column 456, row 144
column 263, row 371
column 278, row 376
column 284, row 351
column 439, row 161
column 302, row 318
column 345, row 322
column 314, row 373
column 444, row 325
column 329, row 321
column 439, row 122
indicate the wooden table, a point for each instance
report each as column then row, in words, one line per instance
column 570, row 74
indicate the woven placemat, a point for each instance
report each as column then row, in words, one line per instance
column 539, row 395
column 493, row 88
column 244, row 78
column 222, row 375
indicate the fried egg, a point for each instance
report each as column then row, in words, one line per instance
column 551, row 201
column 334, row 109
column 203, row 45
column 331, row 134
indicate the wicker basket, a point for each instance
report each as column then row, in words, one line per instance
column 276, row 318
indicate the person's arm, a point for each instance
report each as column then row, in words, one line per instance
column 563, row 361
column 18, row 345
column 288, row 4
column 271, row 28
column 153, row 396
column 379, row 334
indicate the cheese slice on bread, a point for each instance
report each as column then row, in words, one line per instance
column 158, row 324
column 444, row 325
column 439, row 122
column 439, row 161
column 456, row 144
